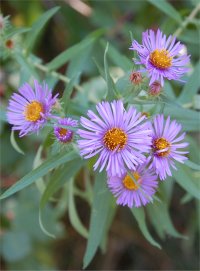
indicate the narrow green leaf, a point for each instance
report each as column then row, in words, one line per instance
column 191, row 87
column 159, row 216
column 73, row 215
column 36, row 163
column 186, row 198
column 169, row 90
column 43, row 227
column 71, row 52
column 17, row 31
column 167, row 8
column 185, row 179
column 192, row 165
column 68, row 91
column 37, row 27
column 60, row 177
column 140, row 217
column 117, row 58
column 32, row 176
column 190, row 36
column 112, row 212
column 100, row 213
column 112, row 92
column 188, row 118
column 14, row 143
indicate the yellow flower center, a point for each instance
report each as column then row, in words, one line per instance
column 33, row 110
column 161, row 59
column 114, row 138
column 161, row 144
column 62, row 131
column 129, row 183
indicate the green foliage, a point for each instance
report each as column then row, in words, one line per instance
column 73, row 216
column 58, row 171
column 43, row 169
column 167, row 8
column 71, row 52
column 191, row 87
column 140, row 217
column 99, row 216
column 37, row 27
column 14, row 143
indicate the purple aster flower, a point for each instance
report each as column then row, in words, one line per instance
column 137, row 190
column 161, row 56
column 65, row 135
column 28, row 111
column 120, row 137
column 166, row 142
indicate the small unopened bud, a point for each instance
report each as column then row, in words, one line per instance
column 136, row 78
column 155, row 88
column 9, row 44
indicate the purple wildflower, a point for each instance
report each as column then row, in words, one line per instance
column 166, row 142
column 120, row 137
column 65, row 135
column 161, row 56
column 137, row 192
column 28, row 111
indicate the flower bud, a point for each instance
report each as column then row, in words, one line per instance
column 9, row 44
column 155, row 88
column 136, row 78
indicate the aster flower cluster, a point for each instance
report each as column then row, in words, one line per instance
column 31, row 109
column 135, row 151
column 160, row 57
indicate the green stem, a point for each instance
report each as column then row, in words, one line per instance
column 187, row 21
column 61, row 77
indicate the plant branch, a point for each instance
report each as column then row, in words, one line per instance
column 187, row 20
column 61, row 77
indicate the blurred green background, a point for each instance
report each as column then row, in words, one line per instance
column 23, row 244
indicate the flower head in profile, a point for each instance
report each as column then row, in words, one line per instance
column 166, row 144
column 29, row 110
column 135, row 189
column 119, row 137
column 65, row 135
column 161, row 56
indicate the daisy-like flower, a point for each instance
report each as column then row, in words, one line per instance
column 161, row 56
column 166, row 145
column 29, row 110
column 120, row 137
column 137, row 192
column 65, row 135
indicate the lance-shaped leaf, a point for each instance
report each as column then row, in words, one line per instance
column 37, row 27
column 40, row 171
column 99, row 217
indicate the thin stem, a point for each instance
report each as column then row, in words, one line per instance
column 61, row 77
column 187, row 21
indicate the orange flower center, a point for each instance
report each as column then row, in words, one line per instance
column 62, row 131
column 161, row 59
column 129, row 183
column 114, row 138
column 33, row 110
column 161, row 144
